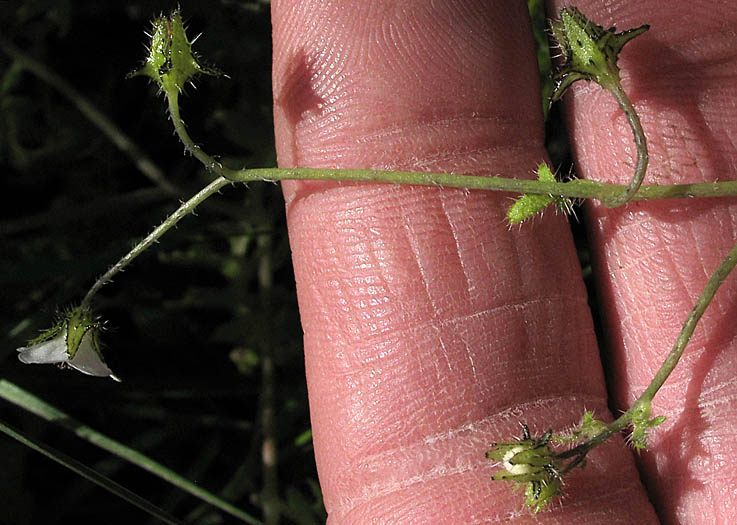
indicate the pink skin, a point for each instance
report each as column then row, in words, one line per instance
column 653, row 259
column 430, row 329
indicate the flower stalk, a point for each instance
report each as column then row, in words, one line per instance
column 185, row 209
column 591, row 53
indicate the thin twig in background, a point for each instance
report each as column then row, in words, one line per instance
column 124, row 143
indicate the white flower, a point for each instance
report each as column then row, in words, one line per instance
column 73, row 342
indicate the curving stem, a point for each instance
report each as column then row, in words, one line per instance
column 624, row 102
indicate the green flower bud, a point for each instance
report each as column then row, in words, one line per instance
column 531, row 204
column 590, row 51
column 171, row 62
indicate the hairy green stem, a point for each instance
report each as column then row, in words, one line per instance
column 669, row 364
column 576, row 189
column 609, row 194
column 197, row 152
column 152, row 237
column 715, row 281
column 640, row 142
column 24, row 399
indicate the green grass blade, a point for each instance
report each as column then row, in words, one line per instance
column 90, row 474
column 33, row 404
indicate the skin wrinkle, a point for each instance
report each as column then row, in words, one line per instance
column 457, row 456
column 416, row 241
column 692, row 288
column 732, row 381
column 454, row 228
column 470, row 287
column 349, row 272
column 712, row 404
column 595, row 497
column 357, row 409
column 437, row 128
column 365, row 362
column 713, row 394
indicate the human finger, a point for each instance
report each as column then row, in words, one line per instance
column 430, row 329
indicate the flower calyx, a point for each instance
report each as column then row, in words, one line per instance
column 74, row 341
column 171, row 63
column 590, row 51
column 530, row 463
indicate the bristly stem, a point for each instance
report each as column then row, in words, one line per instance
column 606, row 193
column 152, row 237
column 715, row 281
column 669, row 364
column 576, row 189
column 640, row 142
column 609, row 194
column 172, row 98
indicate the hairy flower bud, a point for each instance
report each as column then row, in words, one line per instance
column 171, row 63
column 590, row 51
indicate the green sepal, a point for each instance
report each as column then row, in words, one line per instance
column 74, row 323
column 74, row 341
column 171, row 63
column 79, row 321
column 49, row 334
column 539, row 494
column 590, row 51
column 531, row 463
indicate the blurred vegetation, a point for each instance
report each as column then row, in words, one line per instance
column 186, row 321
column 204, row 329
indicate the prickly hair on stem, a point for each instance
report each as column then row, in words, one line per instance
column 171, row 63
column 530, row 205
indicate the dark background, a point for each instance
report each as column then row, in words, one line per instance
column 188, row 322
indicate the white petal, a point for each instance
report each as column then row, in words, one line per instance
column 88, row 361
column 51, row 351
